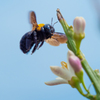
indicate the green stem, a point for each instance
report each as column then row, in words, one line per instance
column 88, row 95
column 85, row 87
column 71, row 45
column 80, row 90
column 78, row 46
column 91, row 75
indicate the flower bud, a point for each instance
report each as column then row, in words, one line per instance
column 75, row 63
column 70, row 53
column 79, row 25
column 97, row 71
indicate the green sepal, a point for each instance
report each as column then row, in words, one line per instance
column 80, row 75
column 78, row 38
column 74, row 82
column 97, row 73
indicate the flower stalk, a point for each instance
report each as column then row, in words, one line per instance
column 72, row 45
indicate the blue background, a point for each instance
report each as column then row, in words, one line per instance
column 22, row 76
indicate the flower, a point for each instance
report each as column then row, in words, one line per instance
column 65, row 73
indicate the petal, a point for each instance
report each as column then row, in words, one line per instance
column 75, row 63
column 70, row 53
column 57, row 82
column 79, row 25
column 63, row 73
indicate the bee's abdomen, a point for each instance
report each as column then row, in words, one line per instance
column 26, row 42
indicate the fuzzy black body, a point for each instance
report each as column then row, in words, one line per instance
column 35, row 38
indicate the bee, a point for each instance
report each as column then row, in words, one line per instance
column 40, row 33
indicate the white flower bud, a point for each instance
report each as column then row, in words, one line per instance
column 79, row 25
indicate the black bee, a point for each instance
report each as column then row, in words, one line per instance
column 39, row 34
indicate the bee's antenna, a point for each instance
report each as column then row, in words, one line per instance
column 51, row 21
column 55, row 23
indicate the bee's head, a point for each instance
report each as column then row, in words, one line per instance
column 49, row 29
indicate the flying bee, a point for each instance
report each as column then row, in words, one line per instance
column 39, row 34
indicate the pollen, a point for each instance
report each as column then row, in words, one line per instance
column 39, row 26
column 64, row 65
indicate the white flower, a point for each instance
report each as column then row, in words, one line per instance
column 64, row 73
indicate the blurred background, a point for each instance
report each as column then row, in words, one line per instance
column 22, row 76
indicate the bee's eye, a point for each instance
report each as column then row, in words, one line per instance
column 47, row 27
column 52, row 30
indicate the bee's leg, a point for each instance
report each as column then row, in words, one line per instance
column 35, row 47
column 43, row 36
column 40, row 45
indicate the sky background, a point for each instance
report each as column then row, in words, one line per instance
column 22, row 76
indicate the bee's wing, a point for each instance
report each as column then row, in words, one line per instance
column 33, row 20
column 56, row 39
column 61, row 37
column 52, row 42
